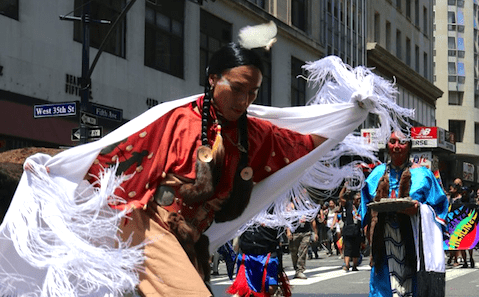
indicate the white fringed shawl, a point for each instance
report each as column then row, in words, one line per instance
column 59, row 238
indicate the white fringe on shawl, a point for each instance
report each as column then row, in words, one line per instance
column 74, row 238
column 51, row 240
column 338, row 84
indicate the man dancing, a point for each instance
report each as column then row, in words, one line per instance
column 396, row 236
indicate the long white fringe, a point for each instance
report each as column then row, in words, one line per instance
column 75, row 239
column 337, row 83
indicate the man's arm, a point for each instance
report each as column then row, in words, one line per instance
column 342, row 199
column 315, row 230
column 317, row 140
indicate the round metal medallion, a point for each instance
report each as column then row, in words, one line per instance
column 246, row 173
column 204, row 154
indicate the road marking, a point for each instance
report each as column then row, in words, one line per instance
column 318, row 277
column 322, row 273
column 454, row 273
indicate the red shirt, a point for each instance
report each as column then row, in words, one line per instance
column 169, row 144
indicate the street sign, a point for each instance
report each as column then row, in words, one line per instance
column 55, row 110
column 92, row 133
column 88, row 119
column 106, row 112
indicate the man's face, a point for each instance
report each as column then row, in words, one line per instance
column 458, row 182
column 398, row 148
column 235, row 90
column 357, row 199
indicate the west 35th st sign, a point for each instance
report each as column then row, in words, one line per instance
column 55, row 110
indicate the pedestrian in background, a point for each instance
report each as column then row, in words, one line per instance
column 299, row 241
column 352, row 236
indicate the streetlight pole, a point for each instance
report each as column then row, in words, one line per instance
column 85, row 79
column 86, row 69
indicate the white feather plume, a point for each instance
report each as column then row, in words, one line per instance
column 258, row 36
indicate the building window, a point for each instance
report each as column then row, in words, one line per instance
column 388, row 36
column 460, row 44
column 417, row 59
column 460, row 69
column 398, row 45
column 476, row 99
column 451, row 2
column 451, row 68
column 103, row 10
column 416, row 10
column 457, row 127
column 377, row 27
column 425, row 65
column 150, row 102
column 260, row 3
column 164, row 26
column 298, row 84
column 425, row 20
column 9, row 8
column 455, row 98
column 398, row 4
column 476, row 133
column 408, row 8
column 451, row 43
column 408, row 52
column 299, row 14
column 214, row 33
column 451, row 17
column 264, row 94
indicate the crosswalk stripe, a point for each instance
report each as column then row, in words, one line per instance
column 318, row 277
column 454, row 273
column 323, row 273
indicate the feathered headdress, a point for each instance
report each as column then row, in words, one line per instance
column 263, row 35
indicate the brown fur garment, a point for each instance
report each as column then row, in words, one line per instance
column 383, row 188
column 405, row 183
column 203, row 187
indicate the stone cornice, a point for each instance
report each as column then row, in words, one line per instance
column 390, row 65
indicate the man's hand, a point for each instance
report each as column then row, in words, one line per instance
column 412, row 210
column 289, row 234
column 28, row 167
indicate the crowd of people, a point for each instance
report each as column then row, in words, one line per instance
column 350, row 226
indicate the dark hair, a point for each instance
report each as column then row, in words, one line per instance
column 230, row 56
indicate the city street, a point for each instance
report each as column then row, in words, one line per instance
column 326, row 278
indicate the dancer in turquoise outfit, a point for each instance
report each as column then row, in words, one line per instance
column 401, row 264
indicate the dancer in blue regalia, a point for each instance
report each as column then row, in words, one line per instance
column 401, row 264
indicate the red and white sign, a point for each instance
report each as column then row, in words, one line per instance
column 431, row 137
column 370, row 137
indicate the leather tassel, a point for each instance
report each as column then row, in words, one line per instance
column 218, row 149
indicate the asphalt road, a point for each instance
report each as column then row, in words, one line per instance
column 326, row 278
